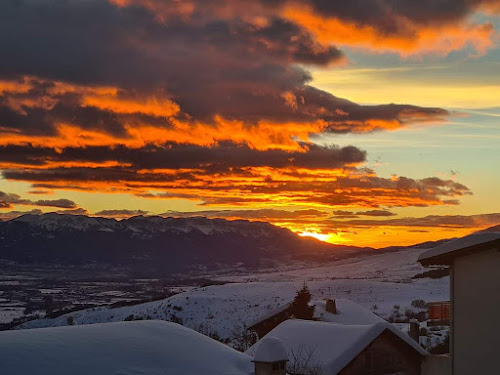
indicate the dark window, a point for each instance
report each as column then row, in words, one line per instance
column 379, row 362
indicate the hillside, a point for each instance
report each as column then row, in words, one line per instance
column 377, row 282
column 155, row 245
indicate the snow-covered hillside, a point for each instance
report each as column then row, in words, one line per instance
column 378, row 282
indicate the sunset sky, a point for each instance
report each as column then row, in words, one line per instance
column 364, row 122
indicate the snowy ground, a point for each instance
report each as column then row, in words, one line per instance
column 377, row 282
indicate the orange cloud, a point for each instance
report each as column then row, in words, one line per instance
column 149, row 105
column 435, row 38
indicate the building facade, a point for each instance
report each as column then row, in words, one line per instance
column 475, row 301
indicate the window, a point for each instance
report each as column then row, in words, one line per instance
column 278, row 365
column 379, row 362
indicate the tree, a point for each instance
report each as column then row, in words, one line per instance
column 70, row 320
column 300, row 305
column 303, row 361
column 241, row 338
column 48, row 304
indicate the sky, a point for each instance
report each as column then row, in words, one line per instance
column 366, row 123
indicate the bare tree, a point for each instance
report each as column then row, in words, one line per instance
column 208, row 330
column 241, row 338
column 302, row 361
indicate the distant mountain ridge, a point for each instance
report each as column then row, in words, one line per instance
column 157, row 245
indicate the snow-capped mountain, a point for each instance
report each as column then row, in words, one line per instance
column 155, row 244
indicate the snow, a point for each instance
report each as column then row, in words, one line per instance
column 460, row 243
column 376, row 282
column 125, row 348
column 270, row 349
column 348, row 312
column 271, row 314
column 328, row 345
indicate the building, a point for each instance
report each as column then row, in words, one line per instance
column 139, row 347
column 270, row 357
column 439, row 312
column 266, row 323
column 475, row 300
column 346, row 349
column 330, row 310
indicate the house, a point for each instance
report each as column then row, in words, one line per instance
column 334, row 311
column 270, row 357
column 346, row 349
column 266, row 323
column 475, row 300
column 138, row 347
column 439, row 313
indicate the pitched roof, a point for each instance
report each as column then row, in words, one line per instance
column 331, row 346
column 444, row 253
column 348, row 312
column 138, row 348
column 270, row 349
column 270, row 314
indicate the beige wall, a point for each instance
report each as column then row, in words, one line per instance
column 476, row 313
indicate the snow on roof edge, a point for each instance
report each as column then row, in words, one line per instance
column 449, row 248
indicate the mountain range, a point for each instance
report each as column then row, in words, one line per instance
column 156, row 245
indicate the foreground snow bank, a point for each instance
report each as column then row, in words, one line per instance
column 125, row 348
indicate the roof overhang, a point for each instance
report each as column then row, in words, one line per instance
column 430, row 258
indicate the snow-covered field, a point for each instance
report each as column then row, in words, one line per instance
column 377, row 282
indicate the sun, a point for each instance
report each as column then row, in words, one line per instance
column 333, row 238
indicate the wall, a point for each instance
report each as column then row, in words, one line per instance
column 263, row 368
column 436, row 365
column 406, row 358
column 476, row 313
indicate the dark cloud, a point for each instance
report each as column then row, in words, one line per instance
column 13, row 214
column 123, row 213
column 447, row 221
column 8, row 200
column 228, row 67
column 75, row 211
column 342, row 214
column 220, row 157
column 215, row 92
column 256, row 214
column 382, row 213
column 61, row 203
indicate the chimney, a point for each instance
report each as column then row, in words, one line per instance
column 331, row 306
column 414, row 331
column 270, row 357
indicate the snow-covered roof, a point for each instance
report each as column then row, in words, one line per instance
column 331, row 346
column 348, row 312
column 270, row 314
column 452, row 248
column 270, row 349
column 125, row 348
